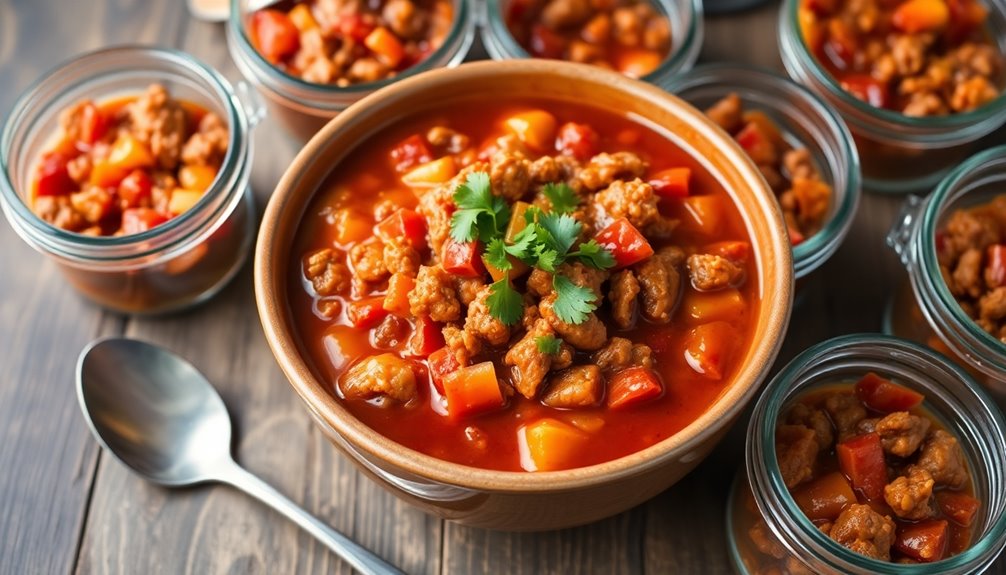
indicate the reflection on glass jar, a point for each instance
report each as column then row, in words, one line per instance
column 779, row 523
column 162, row 268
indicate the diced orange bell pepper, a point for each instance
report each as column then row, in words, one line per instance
column 182, row 201
column 535, row 128
column 883, row 395
column 702, row 214
column 472, row 390
column 578, row 140
column 861, row 459
column 550, row 445
column 920, row 16
column 197, row 178
column 302, row 18
column 708, row 348
column 672, row 182
column 925, row 541
column 723, row 305
column 386, row 45
column 633, row 386
column 824, row 498
column 396, row 298
column 431, row 173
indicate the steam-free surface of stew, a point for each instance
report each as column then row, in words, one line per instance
column 631, row 36
column 874, row 471
column 482, row 351
column 127, row 165
column 345, row 42
column 917, row 57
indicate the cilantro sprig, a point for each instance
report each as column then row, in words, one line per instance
column 480, row 214
column 563, row 199
column 548, row 344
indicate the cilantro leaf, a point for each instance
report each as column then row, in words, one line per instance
column 505, row 304
column 521, row 244
column 496, row 255
column 547, row 260
column 563, row 199
column 593, row 254
column 474, row 193
column 563, row 230
column 480, row 214
column 548, row 344
column 573, row 302
column 464, row 225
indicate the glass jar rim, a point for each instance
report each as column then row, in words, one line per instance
column 769, row 408
column 463, row 24
column 676, row 60
column 810, row 254
column 991, row 110
column 116, row 248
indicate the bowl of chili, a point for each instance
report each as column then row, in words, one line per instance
column 525, row 312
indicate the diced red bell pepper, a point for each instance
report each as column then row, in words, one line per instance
column 442, row 362
column 546, row 43
column 672, row 182
column 404, row 223
column 134, row 188
column 410, row 152
column 427, row 337
column 925, row 541
column 93, row 124
column 966, row 16
column 995, row 266
column 625, row 243
column 820, row 7
column 274, row 34
column 52, row 177
column 841, row 45
column 882, row 395
column 867, row 89
column 463, row 259
column 366, row 313
column 633, row 386
column 578, row 140
column 959, row 507
column 136, row 220
column 796, row 237
column 354, row 26
column 757, row 144
column 824, row 498
column 861, row 459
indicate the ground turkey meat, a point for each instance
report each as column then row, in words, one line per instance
column 944, row 459
column 386, row 375
column 588, row 336
column 964, row 230
column 796, row 449
column 208, row 146
column 660, row 284
column 403, row 18
column 633, row 200
column 367, row 259
column 727, row 113
column 864, row 531
column 530, row 365
column 802, row 414
column 763, row 539
column 481, row 323
column 578, row 386
column 621, row 353
column 434, row 295
column 400, row 257
column 539, row 282
column 910, row 495
column 510, row 175
column 157, row 120
column 468, row 289
column 846, row 412
column 603, row 169
column 326, row 270
column 390, row 332
column 436, row 206
column 901, row 433
column 710, row 272
column 622, row 292
column 462, row 343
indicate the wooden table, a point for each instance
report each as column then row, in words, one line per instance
column 66, row 507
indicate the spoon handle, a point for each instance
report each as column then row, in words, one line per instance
column 356, row 555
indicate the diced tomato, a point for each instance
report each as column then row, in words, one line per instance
column 93, row 124
column 549, row 445
column 672, row 183
column 633, row 386
column 867, row 89
column 861, row 459
column 882, row 395
column 920, row 16
column 404, row 223
column 966, row 16
column 134, row 189
column 925, row 541
column 136, row 220
column 442, row 362
column 757, row 144
column 959, row 507
column 366, row 313
column 426, row 338
column 410, row 152
column 995, row 266
column 546, row 43
column 472, row 390
column 354, row 26
column 824, row 498
column 463, row 259
column 625, row 243
column 52, row 177
column 578, row 140
column 275, row 34
column 708, row 348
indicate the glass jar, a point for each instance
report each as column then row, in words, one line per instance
column 806, row 121
column 685, row 17
column 974, row 182
column 304, row 107
column 174, row 265
column 898, row 153
column 951, row 396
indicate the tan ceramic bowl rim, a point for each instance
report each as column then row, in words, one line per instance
column 277, row 321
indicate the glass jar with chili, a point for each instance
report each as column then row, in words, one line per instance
column 870, row 454
column 313, row 58
column 952, row 246
column 161, row 216
column 919, row 81
column 647, row 39
column 800, row 144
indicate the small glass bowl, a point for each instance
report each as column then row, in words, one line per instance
column 169, row 267
column 809, row 122
column 899, row 153
column 950, row 395
column 685, row 17
column 304, row 107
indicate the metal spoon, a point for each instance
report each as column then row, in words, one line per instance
column 161, row 418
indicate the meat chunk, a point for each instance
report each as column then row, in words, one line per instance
column 604, row 168
column 443, row 137
column 434, row 295
column 588, row 336
column 481, row 323
column 510, row 175
column 710, row 272
column 765, row 541
column 463, row 344
column 468, row 289
column 846, row 412
column 901, row 433
column 367, row 259
column 992, row 307
column 633, row 200
column 909, row 496
column 384, row 375
column 796, row 450
column 965, row 230
column 530, row 365
column 161, row 123
column 727, row 112
column 208, row 146
column 558, row 14
column 864, row 531
column 621, row 353
column 400, row 257
column 660, row 284
column 390, row 332
column 578, row 386
column 813, row 418
column 326, row 270
column 944, row 459
column 622, row 292
column 57, row 211
column 403, row 18
column 967, row 276
column 539, row 282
